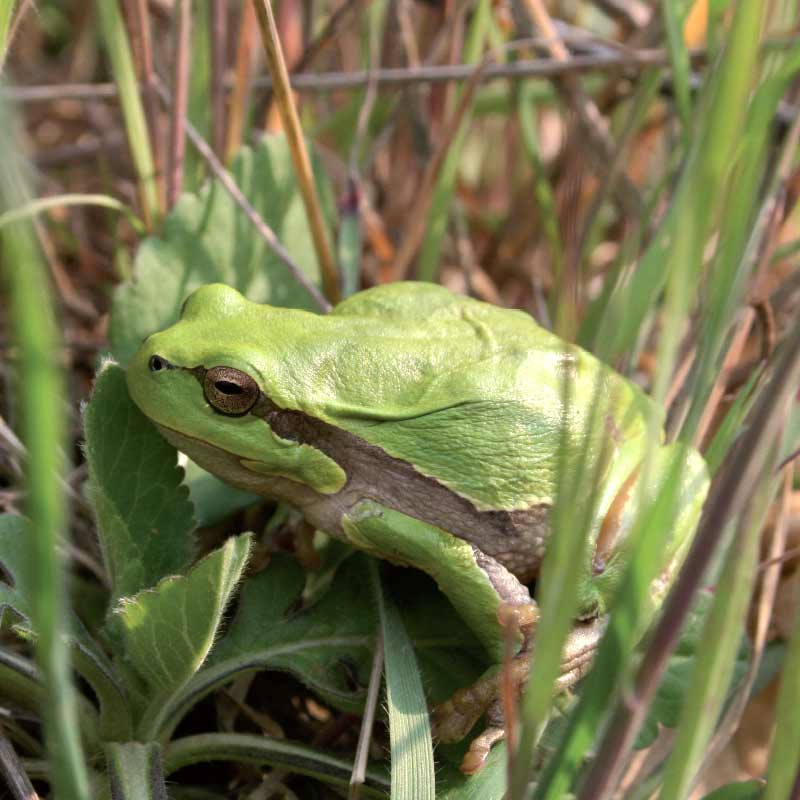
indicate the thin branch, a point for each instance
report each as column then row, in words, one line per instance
column 263, row 230
column 391, row 76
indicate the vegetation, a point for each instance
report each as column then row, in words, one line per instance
column 626, row 172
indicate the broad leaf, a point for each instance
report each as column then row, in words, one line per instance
column 143, row 512
column 208, row 239
column 168, row 631
column 14, row 588
column 328, row 645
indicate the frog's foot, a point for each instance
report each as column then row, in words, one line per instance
column 479, row 749
column 454, row 718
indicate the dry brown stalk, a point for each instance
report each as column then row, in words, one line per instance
column 294, row 134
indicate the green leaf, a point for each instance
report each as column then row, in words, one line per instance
column 135, row 771
column 489, row 784
column 327, row 645
column 168, row 631
column 14, row 553
column 208, row 239
column 144, row 514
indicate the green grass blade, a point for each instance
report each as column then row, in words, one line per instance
column 118, row 49
column 714, row 667
column 42, row 204
column 413, row 775
column 785, row 756
column 675, row 13
column 543, row 191
column 702, row 187
column 41, row 402
column 439, row 214
column 6, row 15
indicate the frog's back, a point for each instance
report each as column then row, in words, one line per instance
column 463, row 382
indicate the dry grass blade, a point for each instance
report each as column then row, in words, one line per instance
column 13, row 772
column 142, row 46
column 302, row 162
column 219, row 30
column 592, row 121
column 417, row 224
column 765, row 605
column 241, row 82
column 180, row 103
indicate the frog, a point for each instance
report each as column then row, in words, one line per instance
column 428, row 429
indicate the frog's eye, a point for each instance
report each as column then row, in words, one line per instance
column 230, row 391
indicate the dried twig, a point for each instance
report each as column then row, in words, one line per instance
column 297, row 146
column 393, row 76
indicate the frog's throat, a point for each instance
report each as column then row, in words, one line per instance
column 516, row 539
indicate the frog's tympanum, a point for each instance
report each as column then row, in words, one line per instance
column 427, row 429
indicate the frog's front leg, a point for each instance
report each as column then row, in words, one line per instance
column 483, row 591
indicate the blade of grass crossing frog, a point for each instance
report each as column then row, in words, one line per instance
column 557, row 594
column 413, row 776
column 613, row 659
column 713, row 667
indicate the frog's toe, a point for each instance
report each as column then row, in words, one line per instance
column 475, row 757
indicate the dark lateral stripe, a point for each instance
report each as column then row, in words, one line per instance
column 514, row 538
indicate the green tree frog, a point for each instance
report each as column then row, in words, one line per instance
column 425, row 428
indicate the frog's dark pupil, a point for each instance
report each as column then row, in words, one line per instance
column 156, row 364
column 226, row 387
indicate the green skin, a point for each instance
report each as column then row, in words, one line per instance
column 422, row 427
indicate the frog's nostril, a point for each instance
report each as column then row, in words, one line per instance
column 157, row 363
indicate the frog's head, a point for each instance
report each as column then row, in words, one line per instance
column 211, row 380
column 196, row 370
